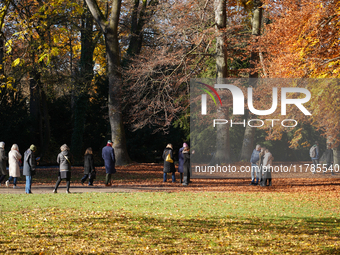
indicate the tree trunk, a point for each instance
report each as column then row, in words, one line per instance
column 115, row 93
column 110, row 29
column 136, row 38
column 2, row 55
column 79, row 125
column 83, row 82
column 336, row 156
column 223, row 141
column 249, row 133
column 256, row 31
column 221, row 49
column 248, row 141
column 35, row 105
column 138, row 21
column 46, row 126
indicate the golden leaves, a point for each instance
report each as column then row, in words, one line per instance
column 273, row 223
column 303, row 42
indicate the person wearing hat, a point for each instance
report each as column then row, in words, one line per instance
column 29, row 167
column 181, row 161
column 65, row 160
column 169, row 165
column 3, row 159
column 108, row 154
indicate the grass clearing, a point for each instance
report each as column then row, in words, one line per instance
column 167, row 223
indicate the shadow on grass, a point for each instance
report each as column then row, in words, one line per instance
column 123, row 231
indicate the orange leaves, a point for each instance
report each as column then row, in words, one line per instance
column 302, row 41
column 305, row 37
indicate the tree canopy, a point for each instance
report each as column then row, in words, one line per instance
column 83, row 72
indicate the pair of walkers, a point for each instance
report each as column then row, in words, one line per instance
column 183, row 164
column 65, row 160
column 14, row 162
column 261, row 161
column 314, row 154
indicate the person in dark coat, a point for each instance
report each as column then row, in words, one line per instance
column 29, row 167
column 169, row 167
column 329, row 158
column 260, row 165
column 3, row 160
column 108, row 154
column 89, row 170
column 181, row 161
column 315, row 158
column 186, row 166
column 254, row 167
column 64, row 160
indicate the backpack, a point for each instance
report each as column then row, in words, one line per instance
column 312, row 151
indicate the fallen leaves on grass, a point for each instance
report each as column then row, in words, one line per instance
column 119, row 232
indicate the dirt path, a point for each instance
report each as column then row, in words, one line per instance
column 147, row 177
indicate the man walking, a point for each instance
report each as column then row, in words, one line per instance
column 314, row 154
column 108, row 154
column 255, row 156
column 29, row 167
column 329, row 158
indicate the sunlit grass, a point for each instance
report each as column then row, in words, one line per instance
column 182, row 222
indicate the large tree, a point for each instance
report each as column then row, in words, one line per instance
column 83, row 80
column 256, row 20
column 223, row 138
column 3, row 11
column 109, row 26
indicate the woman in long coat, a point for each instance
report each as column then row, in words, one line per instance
column 14, row 158
column 89, row 170
column 181, row 161
column 169, row 167
column 108, row 154
column 3, row 160
column 186, row 166
column 267, row 163
column 64, row 160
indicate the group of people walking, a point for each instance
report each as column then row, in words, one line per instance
column 261, row 160
column 64, row 159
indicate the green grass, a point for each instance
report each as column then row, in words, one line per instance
column 167, row 223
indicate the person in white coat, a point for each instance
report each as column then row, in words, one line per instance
column 14, row 158
column 267, row 167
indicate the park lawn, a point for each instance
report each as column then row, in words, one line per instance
column 168, row 223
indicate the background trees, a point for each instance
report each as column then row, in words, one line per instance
column 310, row 50
column 120, row 70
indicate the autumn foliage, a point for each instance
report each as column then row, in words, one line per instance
column 301, row 40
